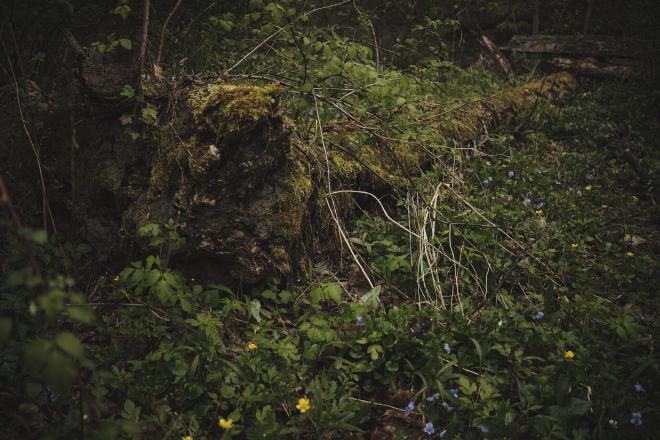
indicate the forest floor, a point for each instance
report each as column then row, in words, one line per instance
column 551, row 271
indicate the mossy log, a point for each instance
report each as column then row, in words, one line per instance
column 222, row 161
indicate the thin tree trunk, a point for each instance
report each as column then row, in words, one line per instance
column 143, row 41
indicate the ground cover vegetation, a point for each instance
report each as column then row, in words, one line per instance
column 500, row 285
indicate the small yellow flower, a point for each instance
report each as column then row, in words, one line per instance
column 630, row 254
column 85, row 417
column 225, row 423
column 588, row 188
column 569, row 354
column 303, row 405
column 538, row 212
column 251, row 346
column 188, row 437
column 574, row 246
column 604, row 206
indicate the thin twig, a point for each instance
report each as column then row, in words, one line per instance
column 162, row 35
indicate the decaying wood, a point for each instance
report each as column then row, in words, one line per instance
column 578, row 45
column 592, row 67
column 498, row 55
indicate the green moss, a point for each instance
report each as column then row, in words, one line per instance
column 297, row 187
column 228, row 108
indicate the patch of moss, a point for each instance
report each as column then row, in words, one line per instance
column 228, row 108
column 294, row 194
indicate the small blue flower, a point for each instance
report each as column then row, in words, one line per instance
column 409, row 408
column 433, row 397
column 639, row 388
column 636, row 418
column 359, row 321
column 557, row 182
column 527, row 202
column 590, row 177
column 453, row 392
column 442, row 433
column 429, row 428
column 447, row 348
column 539, row 315
column 447, row 407
column 53, row 396
column 642, row 318
column 540, row 205
column 510, row 174
column 642, row 140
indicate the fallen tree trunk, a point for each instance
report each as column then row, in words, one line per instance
column 593, row 67
column 578, row 45
column 244, row 190
column 221, row 160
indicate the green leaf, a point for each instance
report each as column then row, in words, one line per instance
column 70, row 344
column 149, row 113
column 255, row 310
column 128, row 92
column 78, row 310
column 374, row 351
column 126, row 43
column 371, row 299
column 332, row 292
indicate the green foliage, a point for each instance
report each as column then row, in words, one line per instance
column 545, row 245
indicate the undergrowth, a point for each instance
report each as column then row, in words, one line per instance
column 548, row 258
